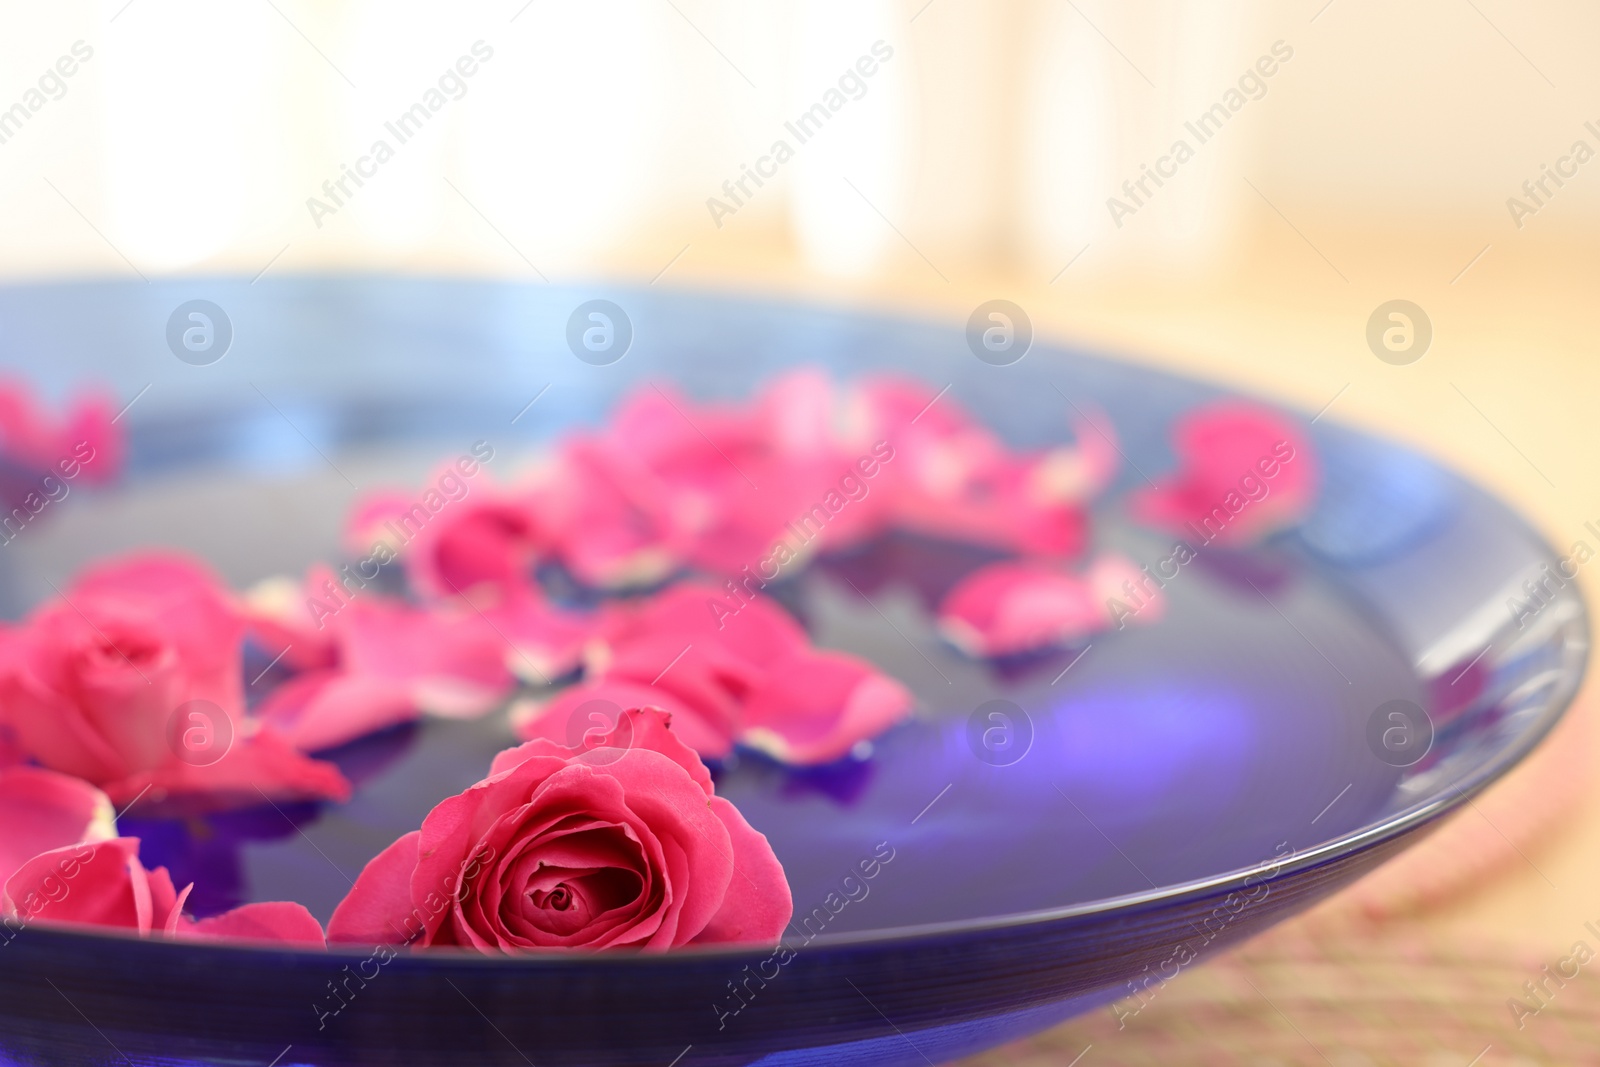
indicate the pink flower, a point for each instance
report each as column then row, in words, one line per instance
column 1244, row 472
column 131, row 681
column 1011, row 608
column 730, row 671
column 41, row 810
column 103, row 883
column 624, row 845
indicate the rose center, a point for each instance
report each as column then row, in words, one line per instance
column 558, row 899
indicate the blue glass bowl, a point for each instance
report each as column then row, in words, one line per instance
column 1157, row 794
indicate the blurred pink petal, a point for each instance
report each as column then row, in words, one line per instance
column 610, row 516
column 288, row 618
column 260, row 765
column 391, row 663
column 535, row 640
column 84, row 444
column 459, row 535
column 41, row 810
column 727, row 670
column 567, row 719
column 750, row 626
column 815, row 707
column 1010, row 608
column 1244, row 472
column 324, row 709
column 948, row 476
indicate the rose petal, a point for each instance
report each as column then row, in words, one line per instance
column 557, row 721
column 100, row 883
column 320, row 710
column 1244, row 472
column 41, row 811
column 378, row 909
column 272, row 920
column 815, row 707
column 758, row 905
column 1011, row 608
column 261, row 765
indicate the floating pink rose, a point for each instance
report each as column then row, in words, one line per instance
column 1011, row 608
column 623, row 845
column 132, row 681
column 1244, row 472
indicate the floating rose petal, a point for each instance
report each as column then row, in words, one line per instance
column 1244, row 472
column 1007, row 609
column 41, row 811
column 84, row 445
column 456, row 538
column 387, row 662
column 569, row 717
column 817, row 706
column 261, row 766
column 609, row 515
column 729, row 670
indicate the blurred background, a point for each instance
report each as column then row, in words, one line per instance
column 1230, row 188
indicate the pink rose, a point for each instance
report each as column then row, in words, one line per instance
column 623, row 845
column 103, row 883
column 132, row 681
